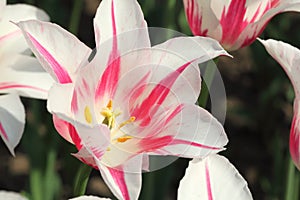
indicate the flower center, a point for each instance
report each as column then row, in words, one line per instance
column 110, row 116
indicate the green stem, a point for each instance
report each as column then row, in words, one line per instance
column 75, row 16
column 81, row 179
column 36, row 184
column 290, row 186
column 297, row 185
column 208, row 78
column 50, row 176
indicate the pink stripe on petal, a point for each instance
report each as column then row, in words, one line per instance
column 175, row 112
column 119, row 178
column 208, row 184
column 12, row 85
column 10, row 35
column 110, row 76
column 138, row 89
column 195, row 18
column 74, row 102
column 157, row 96
column 3, row 132
column 233, row 17
column 195, row 144
column 152, row 144
column 74, row 135
column 295, row 141
column 61, row 74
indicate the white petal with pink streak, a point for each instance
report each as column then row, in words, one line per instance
column 213, row 178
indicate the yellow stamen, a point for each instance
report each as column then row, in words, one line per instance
column 109, row 105
column 124, row 138
column 130, row 120
column 106, row 112
column 88, row 115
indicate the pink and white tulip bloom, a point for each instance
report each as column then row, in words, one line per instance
column 213, row 178
column 234, row 23
column 20, row 74
column 131, row 100
column 288, row 57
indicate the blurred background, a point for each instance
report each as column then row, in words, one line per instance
column 259, row 114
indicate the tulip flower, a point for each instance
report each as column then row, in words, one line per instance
column 20, row 73
column 288, row 57
column 131, row 100
column 234, row 23
column 213, row 178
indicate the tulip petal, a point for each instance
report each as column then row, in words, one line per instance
column 198, row 12
column 63, row 116
column 2, row 5
column 11, row 38
column 215, row 19
column 86, row 157
column 89, row 198
column 59, row 100
column 171, row 66
column 59, row 52
column 125, row 31
column 185, row 131
column 259, row 22
column 8, row 195
column 24, row 74
column 125, row 181
column 124, row 20
column 95, row 139
column 12, row 120
column 213, row 178
column 295, row 136
column 288, row 57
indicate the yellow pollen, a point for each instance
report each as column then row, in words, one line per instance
column 109, row 105
column 88, row 115
column 130, row 120
column 106, row 112
column 124, row 138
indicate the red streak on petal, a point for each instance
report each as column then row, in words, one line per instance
column 155, row 143
column 12, row 85
column 208, row 184
column 194, row 18
column 119, row 178
column 3, row 132
column 180, row 141
column 232, row 21
column 175, row 112
column 74, row 102
column 138, row 89
column 152, row 144
column 74, row 135
column 110, row 76
column 61, row 74
column 157, row 96
column 295, row 141
column 67, row 131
